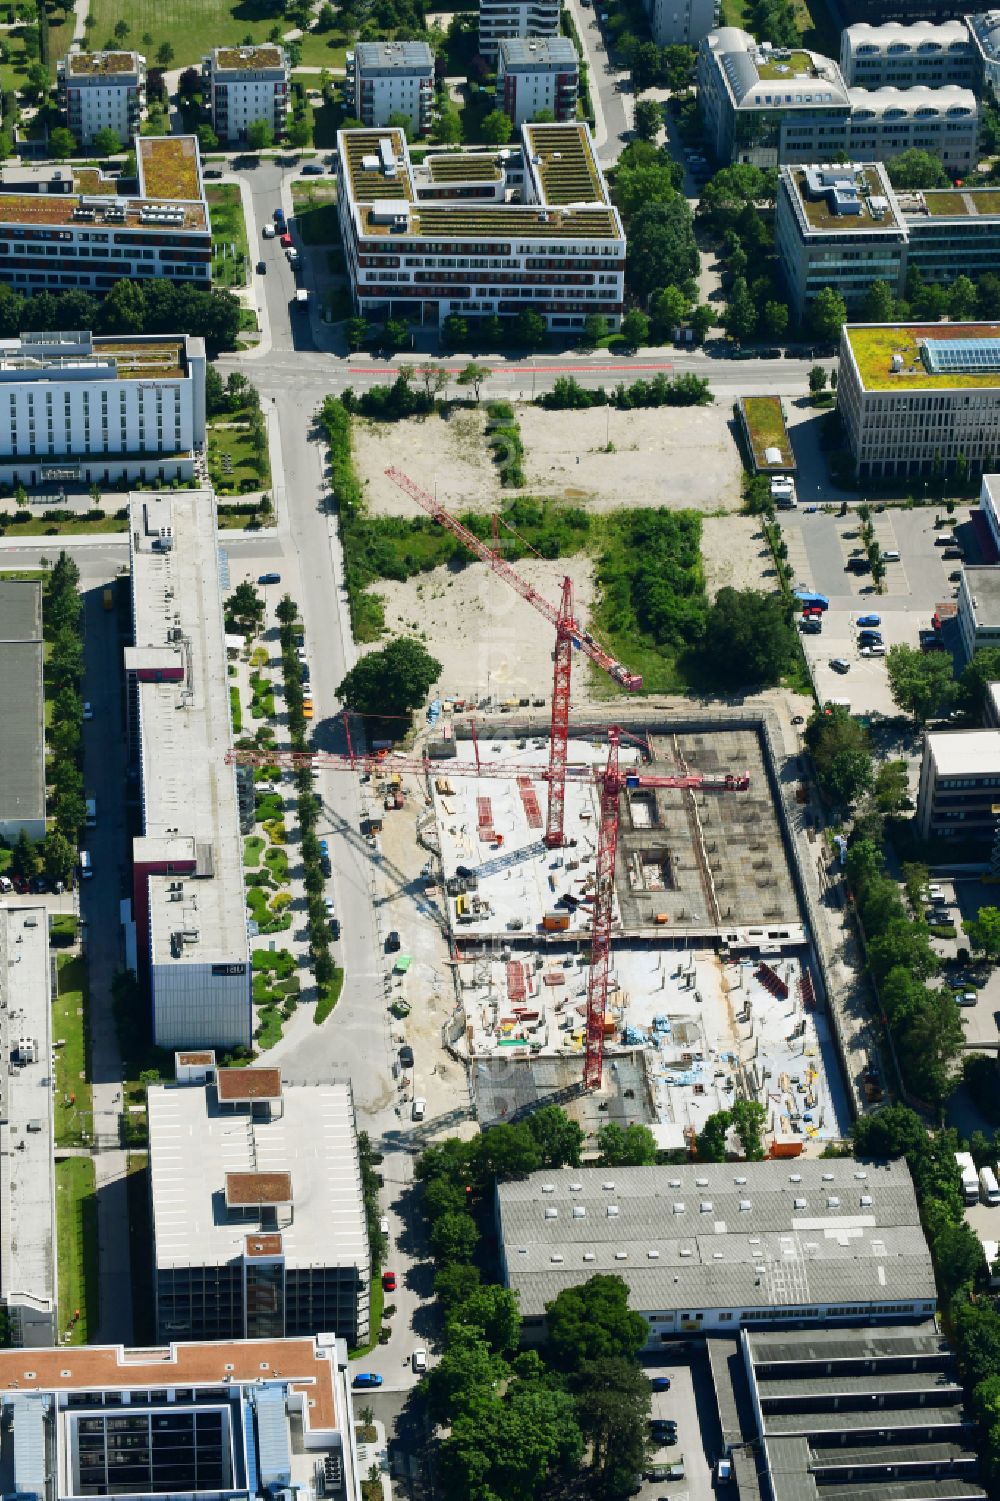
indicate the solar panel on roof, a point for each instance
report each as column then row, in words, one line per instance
column 960, row 356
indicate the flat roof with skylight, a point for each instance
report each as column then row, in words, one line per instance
column 934, row 356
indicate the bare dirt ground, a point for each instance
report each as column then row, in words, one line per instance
column 667, row 456
column 664, row 456
column 735, row 554
column 448, row 456
column 489, row 641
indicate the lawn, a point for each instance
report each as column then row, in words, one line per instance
column 242, row 474
column 73, row 1100
column 322, row 49
column 191, row 27
column 946, row 202
column 766, row 426
column 38, row 526
column 874, row 346
column 76, row 1236
column 316, row 213
column 253, row 848
column 230, row 252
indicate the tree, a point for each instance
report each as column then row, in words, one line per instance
column 641, row 183
column 165, row 54
column 473, row 375
column 24, row 858
column 121, row 30
column 917, row 169
column 750, row 1118
column 593, row 1321
column 505, row 1152
column 712, row 1142
column 454, row 1238
column 106, row 141
column 841, row 754
column 892, row 787
column 298, row 132
column 447, row 130
column 827, row 314
column 466, row 1369
column 395, row 333
column 60, row 858
column 207, row 138
column 455, row 331
column 921, row 683
column 635, row 328
column 629, row 1146
column 559, row 1139
column 893, row 1131
column 661, row 247
column 748, row 637
column 435, row 378
column 774, row 320
column 399, row 120
column 669, row 307
column 61, row 143
column 356, row 332
column 454, row 1283
column 493, row 1313
column 245, row 609
column 983, row 932
column 529, row 329
column 733, row 190
column 648, row 119
column 817, row 379
column 612, row 1403
column 879, row 304
column 260, row 135
column 740, row 317
column 702, row 319
column 189, row 83
column 595, row 328
column 390, row 682
column 496, row 128
column 962, row 299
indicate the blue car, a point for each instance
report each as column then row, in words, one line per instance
column 660, row 1383
column 367, row 1378
column 869, row 620
column 269, row 578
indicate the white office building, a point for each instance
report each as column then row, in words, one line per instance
column 481, row 233
column 394, row 78
column 259, row 1223
column 984, row 31
column 716, row 1247
column 960, row 777
column 83, row 408
column 27, row 1189
column 515, row 18
column 102, row 91
column 537, row 75
column 68, row 226
column 244, row 85
column 929, row 54
column 188, row 930
column 943, row 121
column 681, row 23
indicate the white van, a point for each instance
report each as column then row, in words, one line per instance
column 86, row 865
column 91, row 818
column 989, row 1188
column 892, row 556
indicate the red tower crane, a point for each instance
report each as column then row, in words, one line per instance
column 568, row 635
column 611, row 781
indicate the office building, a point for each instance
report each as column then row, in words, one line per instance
column 769, row 106
column 84, row 409
column 542, row 234
column 680, row 22
column 922, row 55
column 102, row 91
column 915, row 399
column 839, row 227
column 960, row 778
column 394, row 78
column 235, row 1419
column 188, row 931
column 68, row 226
column 515, row 18
column 979, row 606
column 991, row 706
column 876, row 1412
column 989, row 507
column 245, row 86
column 984, row 33
column 22, row 725
column 532, row 76
column 27, row 1184
column 719, row 1247
column 259, row 1223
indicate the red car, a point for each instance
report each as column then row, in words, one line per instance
column 389, row 1282
column 810, row 610
column 286, row 240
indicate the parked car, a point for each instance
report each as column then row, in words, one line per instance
column 367, row 1378
column 659, row 1383
column 212, row 172
column 406, row 1056
column 279, row 217
column 269, row 231
column 312, row 169
column 286, row 241
column 419, row 1108
column 335, row 929
column 840, row 664
column 392, row 943
column 876, row 650
column 955, row 577
column 811, row 627
column 419, row 1361
column 389, row 1282
column 269, row 578
column 262, row 268
column 88, row 710
column 864, row 620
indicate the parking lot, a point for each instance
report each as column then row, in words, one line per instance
column 819, row 546
column 691, row 1404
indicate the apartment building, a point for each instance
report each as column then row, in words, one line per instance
column 233, row 1418
column 259, row 1223
column 914, row 398
column 769, row 106
column 960, row 779
column 394, row 78
column 28, row 1282
column 515, row 18
column 187, row 929
column 680, row 22
column 535, row 76
column 67, row 226
column 652, row 1226
column 924, row 54
column 85, row 409
column 102, row 91
column 246, row 85
column 481, row 233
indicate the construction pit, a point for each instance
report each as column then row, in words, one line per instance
column 712, row 994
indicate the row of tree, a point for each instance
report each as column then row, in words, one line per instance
column 680, row 391
column 131, row 307
column 63, row 621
